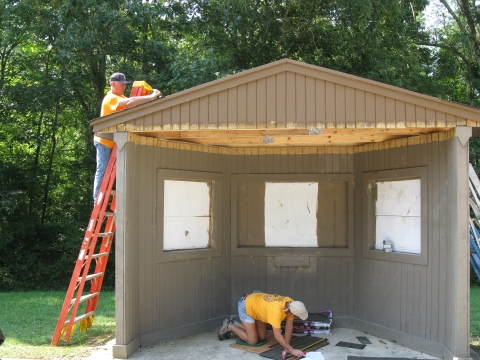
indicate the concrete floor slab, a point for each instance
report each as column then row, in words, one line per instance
column 206, row 345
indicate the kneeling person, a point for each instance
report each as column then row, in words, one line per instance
column 259, row 309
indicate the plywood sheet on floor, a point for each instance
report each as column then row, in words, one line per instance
column 270, row 344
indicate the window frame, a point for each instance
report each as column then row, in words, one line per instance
column 369, row 214
column 291, row 251
column 215, row 244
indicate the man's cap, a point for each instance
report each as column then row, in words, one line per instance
column 119, row 77
column 298, row 309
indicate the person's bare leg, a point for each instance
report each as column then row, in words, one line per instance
column 248, row 332
column 239, row 325
column 261, row 330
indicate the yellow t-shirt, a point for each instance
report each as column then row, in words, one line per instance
column 268, row 308
column 110, row 104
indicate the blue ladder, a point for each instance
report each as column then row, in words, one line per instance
column 474, row 249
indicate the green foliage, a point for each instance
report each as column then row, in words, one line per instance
column 373, row 39
column 456, row 41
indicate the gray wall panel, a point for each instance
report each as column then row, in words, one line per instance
column 325, row 283
column 414, row 299
column 169, row 294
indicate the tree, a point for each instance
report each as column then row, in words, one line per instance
column 373, row 39
column 456, row 37
column 55, row 60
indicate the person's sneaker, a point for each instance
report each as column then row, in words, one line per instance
column 223, row 332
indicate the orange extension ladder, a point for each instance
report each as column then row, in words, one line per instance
column 101, row 217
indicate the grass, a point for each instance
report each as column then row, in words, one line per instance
column 28, row 320
column 475, row 318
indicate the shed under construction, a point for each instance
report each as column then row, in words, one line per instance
column 291, row 178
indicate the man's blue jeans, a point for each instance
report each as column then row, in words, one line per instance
column 103, row 155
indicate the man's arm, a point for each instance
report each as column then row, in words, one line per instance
column 288, row 330
column 286, row 345
column 137, row 100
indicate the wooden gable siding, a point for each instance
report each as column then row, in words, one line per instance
column 288, row 94
column 293, row 101
column 413, row 299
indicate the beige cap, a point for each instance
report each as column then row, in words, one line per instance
column 298, row 309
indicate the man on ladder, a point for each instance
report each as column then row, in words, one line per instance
column 102, row 221
column 114, row 101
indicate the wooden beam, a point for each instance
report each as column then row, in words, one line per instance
column 304, row 140
column 234, row 133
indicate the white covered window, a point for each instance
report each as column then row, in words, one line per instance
column 398, row 215
column 187, row 215
column 291, row 214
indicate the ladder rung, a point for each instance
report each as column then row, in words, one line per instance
column 113, row 191
column 94, row 256
column 109, row 213
column 80, row 318
column 90, row 277
column 85, row 297
column 105, row 234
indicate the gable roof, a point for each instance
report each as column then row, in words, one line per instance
column 289, row 103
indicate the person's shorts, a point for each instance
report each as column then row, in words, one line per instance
column 242, row 312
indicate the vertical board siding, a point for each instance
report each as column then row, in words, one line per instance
column 341, row 214
column 172, row 294
column 184, row 116
column 290, row 99
column 212, row 111
column 281, row 104
column 203, row 112
column 310, row 104
column 380, row 111
column 360, row 109
column 242, row 106
column 408, row 298
column 232, row 108
column 194, row 114
column 340, row 104
column 300, row 115
column 223, row 109
column 326, row 200
column 271, row 96
column 251, row 105
column 320, row 97
column 167, row 118
column 262, row 104
column 327, row 283
column 420, row 114
column 330, row 105
column 370, row 109
column 405, row 297
column 350, row 105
